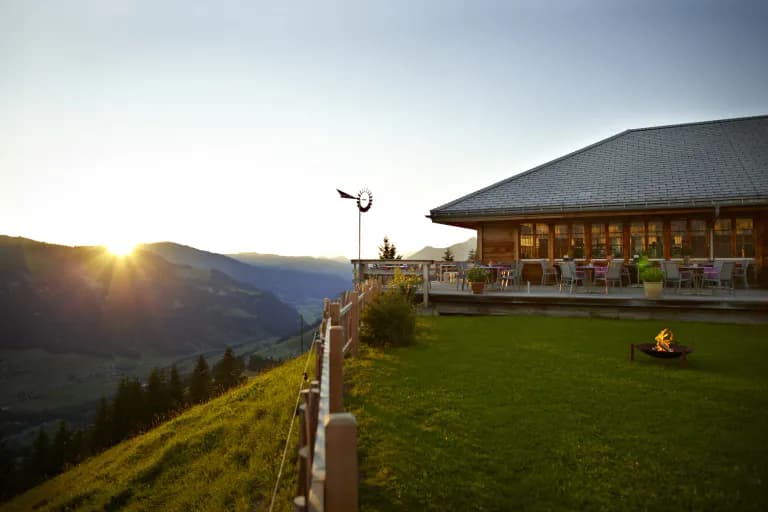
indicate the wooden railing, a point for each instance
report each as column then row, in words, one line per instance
column 383, row 271
column 327, row 479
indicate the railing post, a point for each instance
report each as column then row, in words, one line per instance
column 314, row 402
column 335, row 311
column 341, row 463
column 354, row 325
column 336, row 371
column 425, row 283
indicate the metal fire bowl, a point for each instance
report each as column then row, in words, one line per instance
column 679, row 350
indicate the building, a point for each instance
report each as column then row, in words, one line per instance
column 698, row 190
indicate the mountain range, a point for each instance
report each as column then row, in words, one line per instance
column 460, row 251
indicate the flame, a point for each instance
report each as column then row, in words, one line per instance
column 664, row 341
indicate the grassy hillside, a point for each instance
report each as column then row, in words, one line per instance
column 223, row 455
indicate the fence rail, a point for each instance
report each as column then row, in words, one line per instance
column 327, row 456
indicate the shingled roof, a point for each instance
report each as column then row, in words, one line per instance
column 711, row 163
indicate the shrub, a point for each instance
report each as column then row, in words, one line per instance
column 389, row 320
column 652, row 275
column 477, row 275
column 405, row 284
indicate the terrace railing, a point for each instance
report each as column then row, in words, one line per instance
column 384, row 270
column 327, row 473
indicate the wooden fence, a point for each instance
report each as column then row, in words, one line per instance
column 327, row 473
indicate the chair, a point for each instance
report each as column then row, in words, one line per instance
column 740, row 273
column 510, row 275
column 461, row 273
column 612, row 274
column 723, row 279
column 569, row 276
column 673, row 274
column 547, row 271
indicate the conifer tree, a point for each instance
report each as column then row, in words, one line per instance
column 175, row 389
column 448, row 255
column 129, row 409
column 227, row 371
column 158, row 399
column 200, row 382
column 388, row 251
column 60, row 448
column 101, row 434
column 40, row 461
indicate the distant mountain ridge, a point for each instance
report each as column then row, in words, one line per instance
column 460, row 251
column 334, row 266
column 83, row 299
column 293, row 285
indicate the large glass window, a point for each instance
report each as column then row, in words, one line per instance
column 679, row 229
column 562, row 242
column 722, row 241
column 526, row 240
column 745, row 247
column 616, row 239
column 699, row 239
column 598, row 240
column 577, row 240
column 542, row 241
column 637, row 238
column 655, row 239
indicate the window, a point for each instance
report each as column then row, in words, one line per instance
column 679, row 229
column 655, row 239
column 616, row 239
column 577, row 240
column 526, row 240
column 598, row 240
column 722, row 239
column 699, row 239
column 542, row 241
column 562, row 241
column 637, row 238
column 745, row 247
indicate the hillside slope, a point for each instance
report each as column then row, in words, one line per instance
column 223, row 455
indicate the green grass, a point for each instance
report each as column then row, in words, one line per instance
column 533, row 413
column 223, row 455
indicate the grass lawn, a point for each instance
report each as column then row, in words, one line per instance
column 534, row 413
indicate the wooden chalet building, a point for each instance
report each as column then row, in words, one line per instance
column 697, row 190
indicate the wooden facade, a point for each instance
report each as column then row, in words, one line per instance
column 701, row 234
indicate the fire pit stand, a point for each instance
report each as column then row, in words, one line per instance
column 680, row 351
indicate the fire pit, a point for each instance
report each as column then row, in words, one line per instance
column 664, row 348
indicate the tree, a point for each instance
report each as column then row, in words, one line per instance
column 200, row 382
column 227, row 371
column 61, row 446
column 129, row 411
column 472, row 255
column 40, row 461
column 158, row 396
column 388, row 251
column 175, row 389
column 448, row 255
column 101, row 435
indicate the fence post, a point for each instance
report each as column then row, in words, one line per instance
column 314, row 404
column 425, row 283
column 354, row 325
column 335, row 311
column 336, row 372
column 341, row 463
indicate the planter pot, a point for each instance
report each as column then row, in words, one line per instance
column 652, row 290
column 477, row 287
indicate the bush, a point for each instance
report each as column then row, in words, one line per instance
column 390, row 320
column 477, row 275
column 652, row 275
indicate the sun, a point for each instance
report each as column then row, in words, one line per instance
column 120, row 248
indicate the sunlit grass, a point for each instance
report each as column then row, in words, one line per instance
column 528, row 413
column 223, row 455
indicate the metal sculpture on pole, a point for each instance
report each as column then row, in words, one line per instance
column 364, row 200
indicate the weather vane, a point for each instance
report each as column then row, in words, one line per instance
column 364, row 200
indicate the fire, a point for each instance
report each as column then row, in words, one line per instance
column 664, row 341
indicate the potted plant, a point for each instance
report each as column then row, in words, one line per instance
column 477, row 277
column 653, row 280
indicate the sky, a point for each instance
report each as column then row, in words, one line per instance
column 228, row 125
